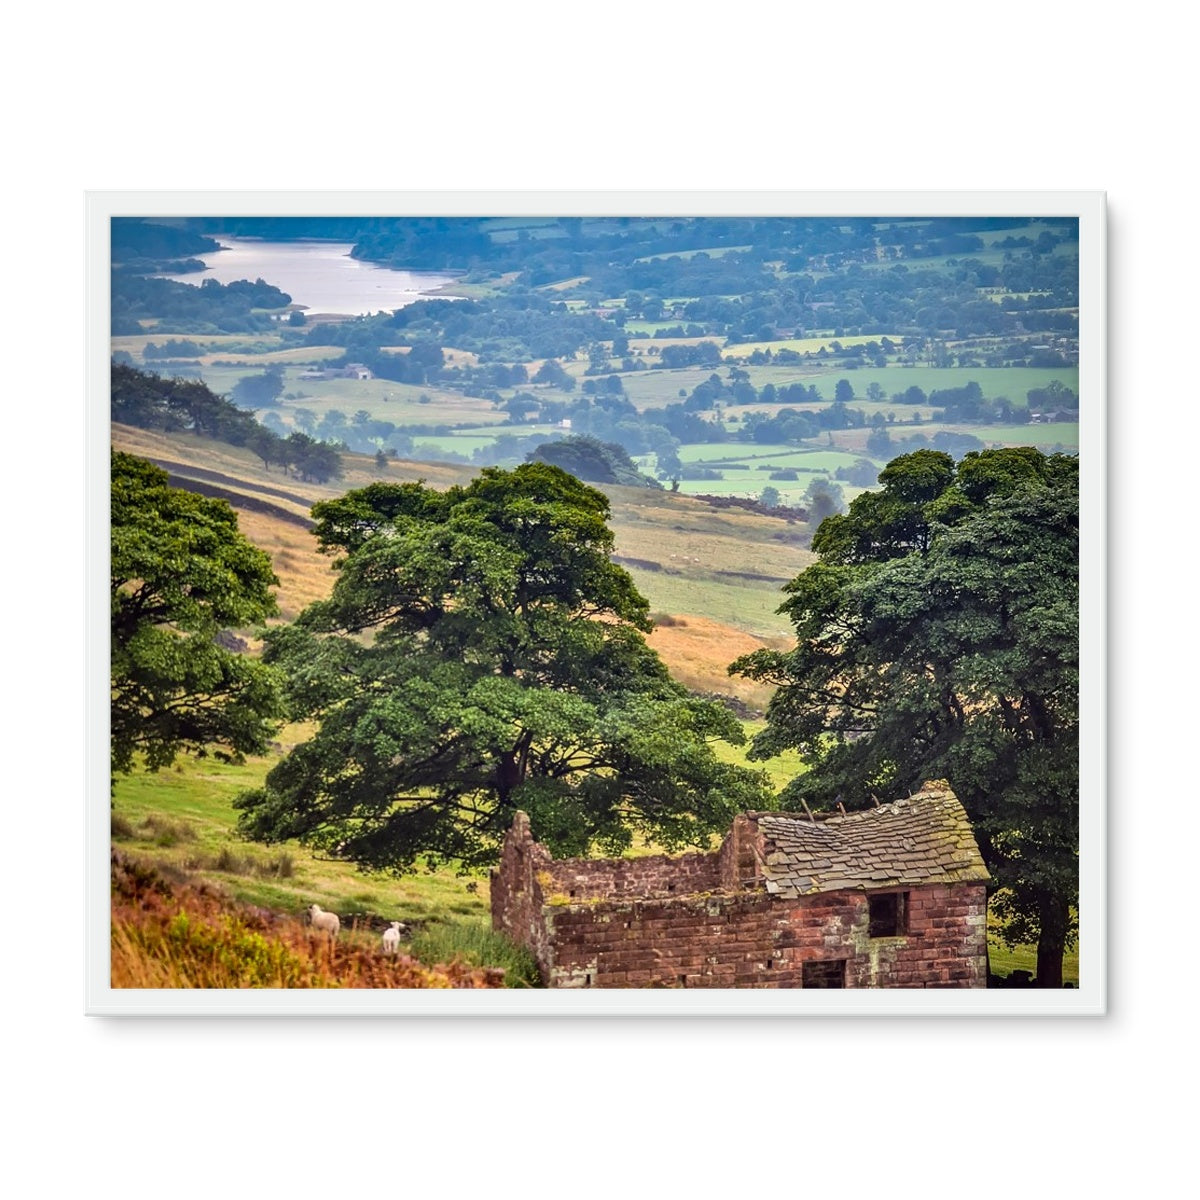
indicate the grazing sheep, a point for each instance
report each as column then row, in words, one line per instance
column 392, row 936
column 326, row 922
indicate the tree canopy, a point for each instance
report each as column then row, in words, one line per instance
column 181, row 573
column 937, row 637
column 481, row 654
column 592, row 460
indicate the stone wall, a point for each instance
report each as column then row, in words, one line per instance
column 753, row 939
column 704, row 920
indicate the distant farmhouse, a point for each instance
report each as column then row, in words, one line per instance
column 352, row 371
column 892, row 897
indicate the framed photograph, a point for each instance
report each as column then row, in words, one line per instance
column 596, row 604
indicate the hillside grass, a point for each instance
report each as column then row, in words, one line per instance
column 183, row 818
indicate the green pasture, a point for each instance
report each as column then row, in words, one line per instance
column 1033, row 231
column 781, row 769
column 501, row 232
column 1045, row 437
column 298, row 356
column 805, row 345
column 648, row 329
column 816, row 459
column 745, row 604
column 384, row 399
column 655, row 387
column 746, row 485
column 183, row 818
column 471, row 439
column 1012, row 382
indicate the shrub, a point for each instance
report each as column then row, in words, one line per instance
column 475, row 943
column 232, row 862
column 165, row 833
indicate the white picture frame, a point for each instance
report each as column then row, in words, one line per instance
column 1089, row 999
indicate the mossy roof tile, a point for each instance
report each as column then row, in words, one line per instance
column 924, row 838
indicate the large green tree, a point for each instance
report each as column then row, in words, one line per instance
column 481, row 654
column 937, row 637
column 181, row 573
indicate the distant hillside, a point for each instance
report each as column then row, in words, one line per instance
column 715, row 573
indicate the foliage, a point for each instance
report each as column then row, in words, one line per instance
column 259, row 391
column 937, row 637
column 180, row 573
column 481, row 654
column 174, row 936
column 148, row 401
column 592, row 460
column 473, row 942
column 185, row 308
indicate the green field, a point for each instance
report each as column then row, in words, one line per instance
column 384, row 399
column 805, row 345
column 1012, row 382
column 656, row 387
column 744, row 604
column 183, row 818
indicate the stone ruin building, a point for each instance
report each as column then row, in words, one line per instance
column 894, row 896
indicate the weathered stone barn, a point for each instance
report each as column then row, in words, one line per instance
column 890, row 897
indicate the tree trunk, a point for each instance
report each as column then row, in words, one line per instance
column 1052, row 943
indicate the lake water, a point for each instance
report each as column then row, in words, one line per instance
column 320, row 276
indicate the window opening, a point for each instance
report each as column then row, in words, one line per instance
column 825, row 973
column 887, row 914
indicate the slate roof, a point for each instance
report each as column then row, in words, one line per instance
column 925, row 838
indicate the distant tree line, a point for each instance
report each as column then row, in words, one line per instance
column 184, row 308
column 149, row 401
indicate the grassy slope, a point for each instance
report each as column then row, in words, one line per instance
column 696, row 555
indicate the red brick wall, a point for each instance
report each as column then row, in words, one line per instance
column 658, row 874
column 624, row 929
column 756, row 940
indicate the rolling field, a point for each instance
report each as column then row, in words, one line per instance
column 806, row 345
column 183, row 819
column 1012, row 382
column 385, row 400
column 655, row 387
column 662, row 532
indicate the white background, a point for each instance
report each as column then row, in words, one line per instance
column 523, row 96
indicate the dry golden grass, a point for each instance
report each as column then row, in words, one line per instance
column 135, row 343
column 454, row 358
column 305, row 574
column 698, row 651
column 298, row 354
column 191, row 936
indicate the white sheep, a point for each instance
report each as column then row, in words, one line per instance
column 391, row 937
column 326, row 922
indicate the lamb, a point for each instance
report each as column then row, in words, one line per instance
column 326, row 922
column 392, row 936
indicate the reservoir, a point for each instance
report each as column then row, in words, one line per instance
column 319, row 276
